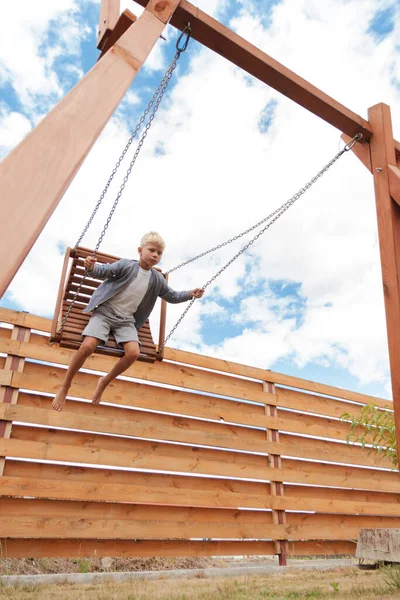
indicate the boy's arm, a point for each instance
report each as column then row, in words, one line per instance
column 105, row 270
column 169, row 295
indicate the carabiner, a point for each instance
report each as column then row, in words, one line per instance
column 186, row 32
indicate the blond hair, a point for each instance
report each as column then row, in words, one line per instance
column 152, row 238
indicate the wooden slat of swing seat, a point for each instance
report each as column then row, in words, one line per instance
column 71, row 336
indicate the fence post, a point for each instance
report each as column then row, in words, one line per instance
column 8, row 394
column 275, row 462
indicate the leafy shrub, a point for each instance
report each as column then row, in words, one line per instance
column 377, row 430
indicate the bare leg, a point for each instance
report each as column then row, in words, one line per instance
column 88, row 346
column 131, row 353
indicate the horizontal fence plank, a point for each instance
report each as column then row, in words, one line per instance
column 80, row 483
column 134, row 494
column 139, row 425
column 218, row 364
column 14, row 317
column 27, row 526
column 134, row 454
column 341, row 476
column 215, row 364
column 175, row 428
column 44, row 444
column 42, row 378
column 154, row 429
column 105, row 492
column 129, row 512
column 311, row 403
column 340, row 522
column 330, row 451
column 298, row 491
column 73, row 474
column 321, row 548
column 39, row 348
column 78, row 548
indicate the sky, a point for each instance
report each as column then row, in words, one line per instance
column 224, row 151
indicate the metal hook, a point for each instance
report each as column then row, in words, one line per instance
column 186, row 32
column 351, row 143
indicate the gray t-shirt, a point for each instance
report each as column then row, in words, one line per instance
column 126, row 302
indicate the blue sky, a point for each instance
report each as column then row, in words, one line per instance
column 225, row 151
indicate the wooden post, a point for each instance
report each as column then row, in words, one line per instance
column 109, row 14
column 9, row 395
column 388, row 215
column 275, row 462
column 35, row 175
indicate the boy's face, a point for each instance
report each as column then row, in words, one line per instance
column 150, row 255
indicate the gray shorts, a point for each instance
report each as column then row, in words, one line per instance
column 104, row 320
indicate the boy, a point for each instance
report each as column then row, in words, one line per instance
column 122, row 303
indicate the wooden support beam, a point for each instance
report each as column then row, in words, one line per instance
column 109, row 15
column 8, row 394
column 35, row 175
column 362, row 151
column 276, row 486
column 251, row 59
column 394, row 182
column 388, row 215
column 124, row 22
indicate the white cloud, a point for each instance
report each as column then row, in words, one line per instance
column 13, row 128
column 219, row 174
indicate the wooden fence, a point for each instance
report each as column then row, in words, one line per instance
column 194, row 456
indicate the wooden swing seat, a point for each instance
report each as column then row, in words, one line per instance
column 71, row 334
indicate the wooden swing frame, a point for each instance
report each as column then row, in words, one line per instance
column 33, row 181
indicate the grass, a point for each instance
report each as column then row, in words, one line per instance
column 339, row 584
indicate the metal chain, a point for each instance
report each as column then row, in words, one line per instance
column 181, row 46
column 239, row 235
column 119, row 161
column 277, row 214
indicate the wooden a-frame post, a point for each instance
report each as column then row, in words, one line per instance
column 35, row 175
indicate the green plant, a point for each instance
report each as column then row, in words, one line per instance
column 378, row 430
column 84, row 565
column 335, row 586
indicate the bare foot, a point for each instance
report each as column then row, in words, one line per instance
column 101, row 386
column 59, row 400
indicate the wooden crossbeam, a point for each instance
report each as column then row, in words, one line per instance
column 109, row 15
column 254, row 61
